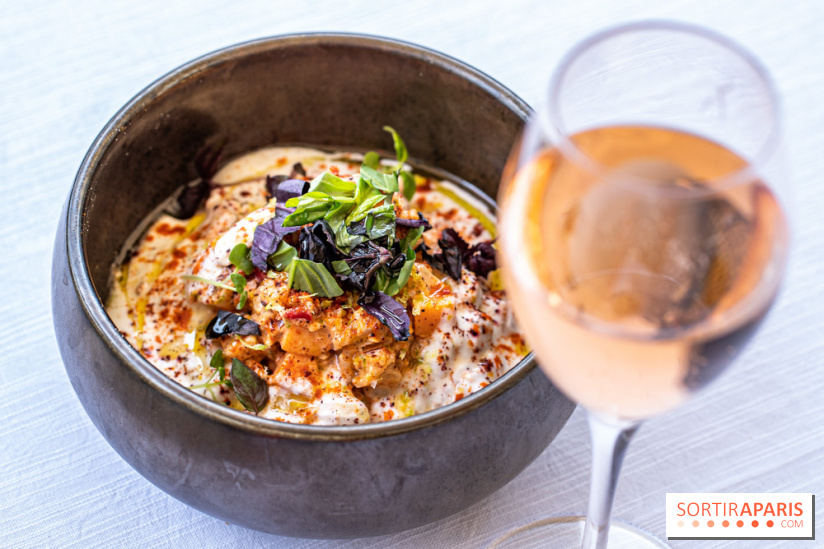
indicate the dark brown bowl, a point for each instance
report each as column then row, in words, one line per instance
column 328, row 90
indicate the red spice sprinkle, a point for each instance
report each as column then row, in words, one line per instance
column 334, row 169
column 167, row 230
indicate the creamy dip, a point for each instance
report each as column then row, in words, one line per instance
column 324, row 360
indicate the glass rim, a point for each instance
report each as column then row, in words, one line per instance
column 559, row 135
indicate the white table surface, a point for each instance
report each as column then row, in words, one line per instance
column 66, row 67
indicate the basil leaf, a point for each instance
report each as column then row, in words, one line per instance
column 332, row 185
column 381, row 281
column 282, row 257
column 225, row 323
column 344, row 240
column 380, row 222
column 363, row 208
column 239, row 257
column 385, row 182
column 307, row 214
column 251, row 390
column 313, row 278
column 285, row 189
column 388, row 311
column 411, row 238
column 396, row 284
column 420, row 222
column 409, row 184
column 372, row 159
column 267, row 238
column 400, row 146
column 341, row 267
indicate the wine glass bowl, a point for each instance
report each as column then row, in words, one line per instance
column 642, row 231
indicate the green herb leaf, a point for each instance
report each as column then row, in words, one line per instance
column 395, row 285
column 380, row 222
column 386, row 182
column 207, row 281
column 336, row 218
column 251, row 390
column 411, row 238
column 240, row 284
column 258, row 347
column 332, row 185
column 372, row 159
column 400, row 146
column 239, row 257
column 363, row 208
column 313, row 278
column 381, row 281
column 341, row 267
column 282, row 257
column 217, row 363
column 409, row 184
column 308, row 213
column 239, row 281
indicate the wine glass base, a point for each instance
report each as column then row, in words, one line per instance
column 567, row 533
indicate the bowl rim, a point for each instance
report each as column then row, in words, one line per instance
column 130, row 358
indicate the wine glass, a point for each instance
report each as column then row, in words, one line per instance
column 642, row 236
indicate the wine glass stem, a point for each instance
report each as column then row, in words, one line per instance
column 610, row 439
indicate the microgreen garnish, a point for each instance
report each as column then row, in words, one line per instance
column 240, row 287
column 255, row 347
column 217, row 363
column 251, row 390
column 400, row 146
column 194, row 278
column 239, row 257
column 409, row 185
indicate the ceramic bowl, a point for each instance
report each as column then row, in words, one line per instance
column 327, row 90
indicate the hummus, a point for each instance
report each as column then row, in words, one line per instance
column 323, row 358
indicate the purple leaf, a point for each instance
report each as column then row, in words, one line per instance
column 453, row 248
column 250, row 389
column 267, row 238
column 455, row 252
column 285, row 188
column 297, row 169
column 480, row 259
column 190, row 199
column 364, row 260
column 388, row 311
column 420, row 222
column 226, row 323
column 207, row 160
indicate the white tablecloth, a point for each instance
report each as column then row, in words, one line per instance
column 66, row 67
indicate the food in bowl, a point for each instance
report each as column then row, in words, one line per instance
column 320, row 288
